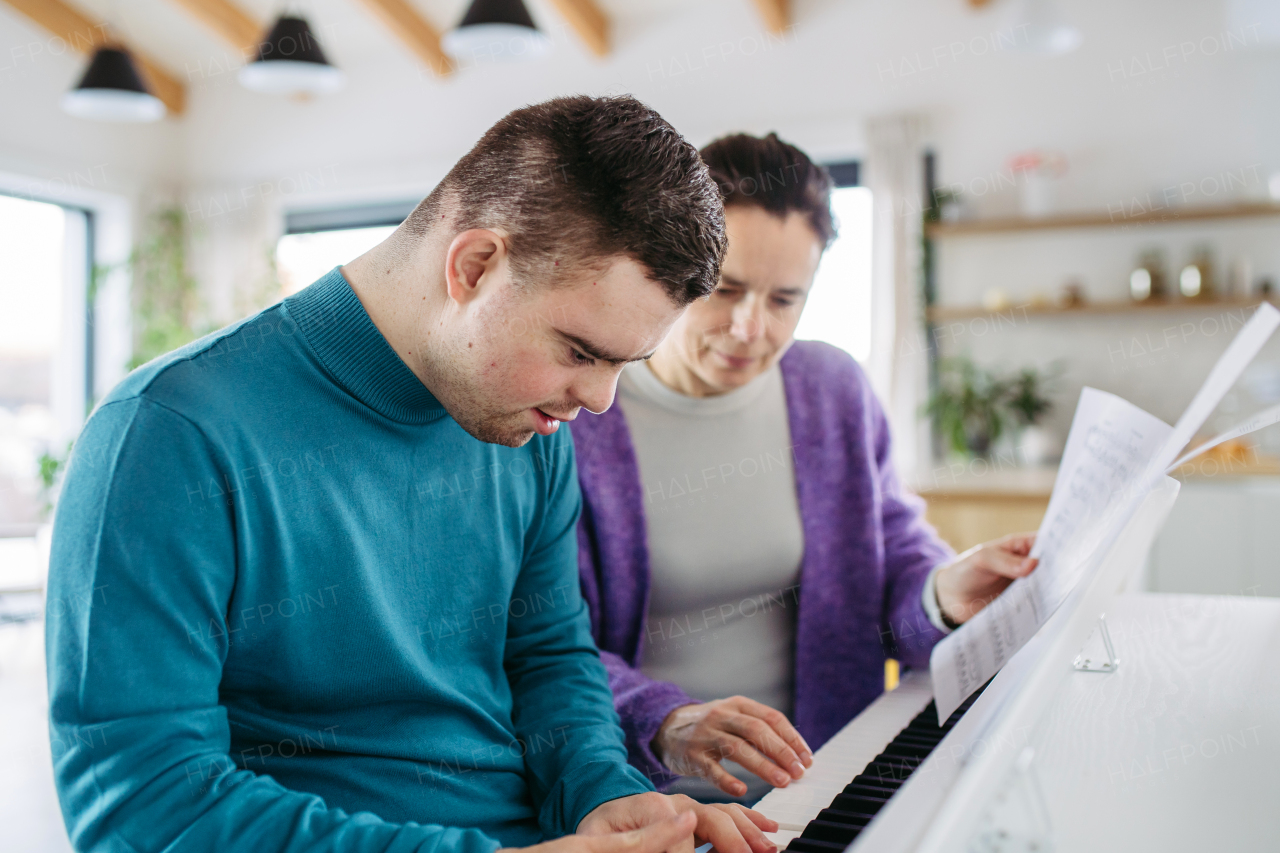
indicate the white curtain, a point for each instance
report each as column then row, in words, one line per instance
column 899, row 359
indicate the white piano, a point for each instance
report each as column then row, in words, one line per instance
column 1176, row 749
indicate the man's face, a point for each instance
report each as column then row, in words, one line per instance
column 527, row 358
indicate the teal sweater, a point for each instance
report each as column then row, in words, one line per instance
column 293, row 606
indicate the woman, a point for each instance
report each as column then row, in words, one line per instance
column 743, row 532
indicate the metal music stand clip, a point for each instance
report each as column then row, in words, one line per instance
column 1111, row 664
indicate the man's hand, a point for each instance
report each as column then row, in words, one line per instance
column 694, row 738
column 673, row 833
column 729, row 828
column 976, row 577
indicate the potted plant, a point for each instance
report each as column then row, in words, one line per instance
column 1028, row 402
column 967, row 406
column 166, row 300
column 972, row 408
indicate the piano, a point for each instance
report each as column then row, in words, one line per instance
column 1176, row 749
column 856, row 772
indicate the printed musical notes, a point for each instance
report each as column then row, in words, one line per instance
column 1115, row 455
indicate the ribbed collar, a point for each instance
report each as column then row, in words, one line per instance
column 639, row 380
column 356, row 354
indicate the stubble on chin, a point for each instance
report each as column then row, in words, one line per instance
column 495, row 429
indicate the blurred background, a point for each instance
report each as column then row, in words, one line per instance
column 1033, row 196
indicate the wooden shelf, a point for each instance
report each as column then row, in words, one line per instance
column 1015, row 312
column 1165, row 216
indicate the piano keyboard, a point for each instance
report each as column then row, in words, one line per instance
column 856, row 772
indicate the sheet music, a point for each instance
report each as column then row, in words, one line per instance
column 1115, row 454
column 1110, row 444
column 1265, row 418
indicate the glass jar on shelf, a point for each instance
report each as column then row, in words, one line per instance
column 1147, row 281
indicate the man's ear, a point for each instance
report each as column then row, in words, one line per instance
column 474, row 258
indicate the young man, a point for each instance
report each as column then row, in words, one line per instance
column 313, row 587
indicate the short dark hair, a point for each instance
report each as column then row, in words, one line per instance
column 772, row 174
column 578, row 180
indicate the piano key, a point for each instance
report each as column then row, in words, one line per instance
column 844, row 756
column 878, row 781
column 812, row 845
column 858, row 819
column 825, row 830
column 859, row 789
column 908, row 750
column 857, row 804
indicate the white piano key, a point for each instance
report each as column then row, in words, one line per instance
column 844, row 756
column 782, row 837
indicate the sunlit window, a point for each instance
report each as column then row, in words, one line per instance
column 31, row 286
column 838, row 310
column 303, row 258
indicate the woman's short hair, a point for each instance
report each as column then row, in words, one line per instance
column 772, row 174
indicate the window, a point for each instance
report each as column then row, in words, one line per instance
column 42, row 346
column 303, row 258
column 316, row 241
column 838, row 310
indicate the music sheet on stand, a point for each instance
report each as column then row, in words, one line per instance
column 1115, row 452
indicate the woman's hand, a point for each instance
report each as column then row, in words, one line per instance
column 694, row 738
column 976, row 577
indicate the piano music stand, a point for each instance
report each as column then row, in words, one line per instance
column 948, row 803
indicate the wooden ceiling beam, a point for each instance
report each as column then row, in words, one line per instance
column 227, row 21
column 776, row 14
column 413, row 31
column 588, row 21
column 84, row 35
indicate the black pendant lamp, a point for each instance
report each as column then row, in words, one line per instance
column 495, row 30
column 289, row 61
column 112, row 90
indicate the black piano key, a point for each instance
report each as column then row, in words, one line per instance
column 924, row 724
column 897, row 760
column 870, row 775
column 858, row 803
column 931, row 738
column 908, row 750
column 854, row 818
column 813, row 845
column 868, row 789
column 871, row 788
column 825, row 830
column 888, row 772
column 856, row 806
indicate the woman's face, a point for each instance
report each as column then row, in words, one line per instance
column 744, row 327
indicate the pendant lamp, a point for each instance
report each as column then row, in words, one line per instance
column 112, row 90
column 495, row 30
column 289, row 61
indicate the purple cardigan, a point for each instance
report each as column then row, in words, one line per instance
column 867, row 554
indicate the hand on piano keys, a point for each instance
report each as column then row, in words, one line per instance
column 859, row 770
column 693, row 739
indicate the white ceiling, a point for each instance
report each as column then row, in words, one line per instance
column 706, row 65
column 347, row 32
